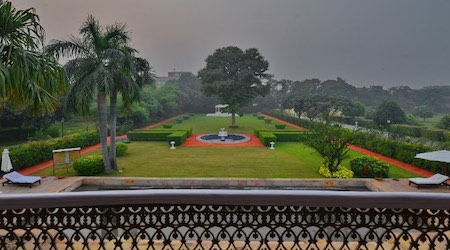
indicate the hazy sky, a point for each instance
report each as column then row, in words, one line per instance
column 366, row 42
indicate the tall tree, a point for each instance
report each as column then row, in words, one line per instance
column 423, row 112
column 28, row 77
column 102, row 65
column 389, row 112
column 235, row 76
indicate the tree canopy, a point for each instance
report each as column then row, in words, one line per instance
column 235, row 77
column 28, row 77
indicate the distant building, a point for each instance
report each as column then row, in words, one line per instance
column 174, row 75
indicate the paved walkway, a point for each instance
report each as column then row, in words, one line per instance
column 397, row 163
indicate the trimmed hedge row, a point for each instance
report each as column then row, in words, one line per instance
column 417, row 131
column 266, row 138
column 275, row 135
column 177, row 135
column 32, row 153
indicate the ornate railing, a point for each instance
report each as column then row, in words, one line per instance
column 225, row 219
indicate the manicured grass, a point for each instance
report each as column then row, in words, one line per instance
column 202, row 124
column 155, row 159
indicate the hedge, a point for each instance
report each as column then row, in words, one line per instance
column 32, row 153
column 280, row 126
column 368, row 167
column 266, row 138
column 178, row 137
column 148, row 135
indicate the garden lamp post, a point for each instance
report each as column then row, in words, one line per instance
column 62, row 127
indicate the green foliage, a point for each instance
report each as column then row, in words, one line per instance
column 148, row 135
column 167, row 125
column 331, row 143
column 178, row 137
column 179, row 120
column 444, row 123
column 260, row 117
column 267, row 121
column 89, row 165
column 423, row 112
column 185, row 117
column 32, row 153
column 341, row 172
column 235, row 77
column 266, row 138
column 280, row 126
column 121, row 149
column 389, row 112
column 368, row 167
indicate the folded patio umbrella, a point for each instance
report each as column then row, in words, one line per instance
column 6, row 161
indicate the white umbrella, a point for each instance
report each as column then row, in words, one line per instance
column 6, row 161
column 441, row 156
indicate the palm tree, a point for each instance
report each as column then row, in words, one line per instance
column 28, row 77
column 134, row 73
column 102, row 65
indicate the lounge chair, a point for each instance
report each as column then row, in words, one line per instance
column 435, row 180
column 17, row 178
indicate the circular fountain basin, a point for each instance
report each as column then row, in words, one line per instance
column 220, row 139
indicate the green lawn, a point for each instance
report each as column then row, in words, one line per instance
column 203, row 124
column 155, row 159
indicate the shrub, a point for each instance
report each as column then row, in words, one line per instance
column 178, row 137
column 121, row 149
column 32, row 153
column 186, row 117
column 368, row 167
column 260, row 117
column 266, row 138
column 88, row 166
column 167, row 125
column 267, row 121
column 179, row 120
column 280, row 126
column 342, row 172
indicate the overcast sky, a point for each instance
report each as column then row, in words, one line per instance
column 366, row 42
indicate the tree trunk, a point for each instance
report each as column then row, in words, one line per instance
column 103, row 130
column 113, row 130
column 233, row 119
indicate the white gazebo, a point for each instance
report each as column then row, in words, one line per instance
column 218, row 110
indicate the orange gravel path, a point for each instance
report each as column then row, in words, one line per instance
column 192, row 141
column 397, row 163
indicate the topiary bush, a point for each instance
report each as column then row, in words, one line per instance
column 280, row 126
column 89, row 166
column 368, row 167
column 121, row 149
column 167, row 125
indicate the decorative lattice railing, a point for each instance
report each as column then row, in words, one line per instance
column 225, row 219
